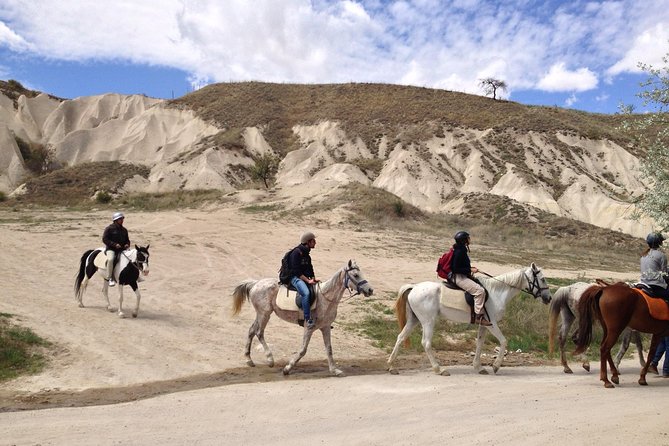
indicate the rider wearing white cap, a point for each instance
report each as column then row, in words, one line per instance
column 116, row 240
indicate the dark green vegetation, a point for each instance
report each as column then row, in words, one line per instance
column 20, row 350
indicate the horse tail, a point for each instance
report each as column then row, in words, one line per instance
column 241, row 291
column 79, row 278
column 401, row 309
column 588, row 309
column 558, row 301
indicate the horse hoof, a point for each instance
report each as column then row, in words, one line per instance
column 642, row 382
column 393, row 371
column 81, row 305
column 609, row 385
column 338, row 372
column 121, row 315
column 110, row 309
column 270, row 364
column 483, row 372
column 495, row 369
column 615, row 380
column 134, row 314
column 286, row 371
column 586, row 367
column 568, row 370
column 444, row 372
column 250, row 363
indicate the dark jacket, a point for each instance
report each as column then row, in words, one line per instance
column 115, row 233
column 460, row 264
column 299, row 262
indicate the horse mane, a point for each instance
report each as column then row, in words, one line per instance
column 512, row 278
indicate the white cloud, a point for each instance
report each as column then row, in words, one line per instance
column 422, row 42
column 559, row 78
column 571, row 100
column 647, row 48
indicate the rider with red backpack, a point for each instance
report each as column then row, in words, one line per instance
column 461, row 275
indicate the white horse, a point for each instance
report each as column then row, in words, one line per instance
column 127, row 271
column 263, row 295
column 426, row 301
column 564, row 304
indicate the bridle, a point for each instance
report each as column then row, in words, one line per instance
column 533, row 286
column 347, row 279
column 138, row 263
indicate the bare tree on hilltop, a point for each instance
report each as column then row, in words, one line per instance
column 490, row 85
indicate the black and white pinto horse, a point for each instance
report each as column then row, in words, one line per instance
column 131, row 263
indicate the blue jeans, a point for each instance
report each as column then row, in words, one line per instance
column 303, row 291
column 662, row 349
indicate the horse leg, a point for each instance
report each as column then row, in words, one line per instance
column 82, row 289
column 428, row 330
column 120, row 301
column 328, row 348
column 260, row 333
column 480, row 337
column 567, row 320
column 494, row 329
column 644, row 370
column 305, row 343
column 105, row 293
column 636, row 337
column 624, row 345
column 614, row 370
column 135, row 288
column 605, row 358
column 412, row 321
column 253, row 329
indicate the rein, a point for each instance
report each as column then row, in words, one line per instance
column 533, row 286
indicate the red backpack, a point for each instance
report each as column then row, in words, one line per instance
column 444, row 265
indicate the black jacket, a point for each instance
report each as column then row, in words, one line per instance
column 460, row 264
column 299, row 262
column 115, row 233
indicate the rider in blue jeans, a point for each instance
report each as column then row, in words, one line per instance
column 662, row 349
column 300, row 265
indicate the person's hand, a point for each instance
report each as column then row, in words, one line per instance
column 474, row 270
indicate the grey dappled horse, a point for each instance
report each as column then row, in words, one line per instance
column 564, row 304
column 263, row 293
column 127, row 271
column 420, row 303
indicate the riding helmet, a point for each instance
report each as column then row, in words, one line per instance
column 461, row 236
column 306, row 237
column 117, row 215
column 654, row 239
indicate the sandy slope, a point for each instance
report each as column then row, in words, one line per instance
column 186, row 338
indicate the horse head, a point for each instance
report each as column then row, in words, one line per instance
column 142, row 258
column 355, row 281
column 536, row 283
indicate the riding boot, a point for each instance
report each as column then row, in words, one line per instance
column 481, row 320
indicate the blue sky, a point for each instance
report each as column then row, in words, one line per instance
column 574, row 54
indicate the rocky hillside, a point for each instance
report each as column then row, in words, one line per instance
column 437, row 150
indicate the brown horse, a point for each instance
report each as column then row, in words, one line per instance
column 616, row 307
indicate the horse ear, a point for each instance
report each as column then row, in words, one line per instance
column 147, row 246
column 137, row 247
column 534, row 266
column 350, row 263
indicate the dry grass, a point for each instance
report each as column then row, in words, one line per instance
column 371, row 111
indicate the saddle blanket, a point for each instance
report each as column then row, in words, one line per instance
column 285, row 299
column 453, row 299
column 657, row 307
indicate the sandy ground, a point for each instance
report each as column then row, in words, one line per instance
column 176, row 374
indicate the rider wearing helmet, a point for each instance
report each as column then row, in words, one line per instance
column 462, row 275
column 302, row 270
column 116, row 240
column 653, row 266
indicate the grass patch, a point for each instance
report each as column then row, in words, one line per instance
column 20, row 350
column 181, row 199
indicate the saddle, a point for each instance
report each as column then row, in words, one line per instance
column 451, row 297
column 288, row 299
column 657, row 307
